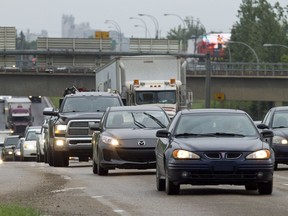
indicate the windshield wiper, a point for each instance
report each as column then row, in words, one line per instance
column 189, row 134
column 155, row 119
column 138, row 124
column 227, row 134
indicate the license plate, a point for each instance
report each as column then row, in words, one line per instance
column 223, row 166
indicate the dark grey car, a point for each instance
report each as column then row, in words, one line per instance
column 127, row 138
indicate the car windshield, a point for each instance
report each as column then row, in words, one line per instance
column 89, row 104
column 155, row 97
column 280, row 120
column 215, row 124
column 137, row 119
column 31, row 136
column 11, row 141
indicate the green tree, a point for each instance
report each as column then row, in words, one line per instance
column 192, row 29
column 259, row 23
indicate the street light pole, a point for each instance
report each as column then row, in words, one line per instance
column 183, row 22
column 240, row 42
column 279, row 45
column 145, row 26
column 146, row 31
column 117, row 26
column 155, row 21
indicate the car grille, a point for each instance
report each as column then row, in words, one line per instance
column 223, row 155
column 132, row 154
column 81, row 127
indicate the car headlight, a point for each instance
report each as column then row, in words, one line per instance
column 110, row 140
column 261, row 154
column 60, row 129
column 183, row 154
column 29, row 146
column 280, row 140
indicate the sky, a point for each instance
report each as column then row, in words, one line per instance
column 37, row 15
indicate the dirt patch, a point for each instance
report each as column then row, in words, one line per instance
column 51, row 198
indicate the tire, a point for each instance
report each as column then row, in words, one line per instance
column 170, row 187
column 60, row 159
column 94, row 167
column 251, row 187
column 160, row 183
column 275, row 166
column 265, row 188
column 101, row 171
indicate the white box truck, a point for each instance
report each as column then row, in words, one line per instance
column 153, row 79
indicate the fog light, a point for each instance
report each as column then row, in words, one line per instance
column 185, row 174
column 260, row 174
column 59, row 142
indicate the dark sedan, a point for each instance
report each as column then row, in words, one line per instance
column 276, row 120
column 214, row 147
column 10, row 143
column 127, row 138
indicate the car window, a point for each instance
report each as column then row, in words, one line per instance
column 31, row 136
column 137, row 119
column 215, row 123
column 280, row 119
column 11, row 141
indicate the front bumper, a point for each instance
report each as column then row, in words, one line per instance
column 128, row 158
column 281, row 153
column 220, row 172
column 74, row 146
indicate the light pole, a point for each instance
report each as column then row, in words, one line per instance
column 117, row 26
column 183, row 22
column 145, row 26
column 278, row 45
column 146, row 31
column 155, row 21
column 240, row 42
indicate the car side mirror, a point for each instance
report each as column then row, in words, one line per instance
column 163, row 134
column 262, row 126
column 267, row 134
column 95, row 126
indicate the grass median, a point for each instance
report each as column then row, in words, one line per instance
column 17, row 210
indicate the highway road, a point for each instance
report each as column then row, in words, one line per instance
column 75, row 190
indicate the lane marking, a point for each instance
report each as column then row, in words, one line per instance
column 68, row 189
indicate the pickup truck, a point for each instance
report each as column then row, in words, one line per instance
column 68, row 128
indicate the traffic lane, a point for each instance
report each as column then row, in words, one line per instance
column 133, row 192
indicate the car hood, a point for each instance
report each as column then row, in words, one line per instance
column 130, row 133
column 80, row 115
column 281, row 132
column 219, row 144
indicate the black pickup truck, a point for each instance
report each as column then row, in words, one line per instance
column 69, row 134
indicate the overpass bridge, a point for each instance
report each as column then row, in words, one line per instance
column 226, row 81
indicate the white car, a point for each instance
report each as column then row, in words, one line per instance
column 29, row 146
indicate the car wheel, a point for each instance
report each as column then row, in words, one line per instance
column 94, row 167
column 160, row 183
column 170, row 187
column 250, row 187
column 265, row 188
column 275, row 166
column 101, row 171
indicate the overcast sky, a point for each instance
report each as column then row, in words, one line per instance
column 37, row 15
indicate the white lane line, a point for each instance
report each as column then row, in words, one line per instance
column 111, row 205
column 68, row 189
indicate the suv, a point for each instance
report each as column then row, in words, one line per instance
column 69, row 134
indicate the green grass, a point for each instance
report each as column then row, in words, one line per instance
column 55, row 101
column 16, row 210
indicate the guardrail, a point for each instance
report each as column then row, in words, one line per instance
column 239, row 69
column 193, row 69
